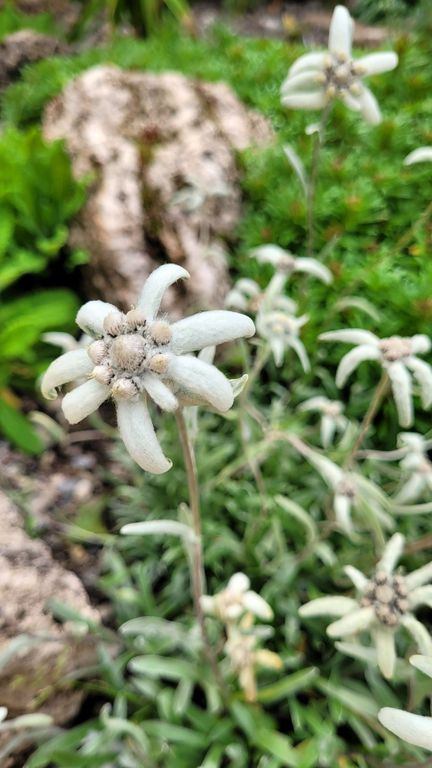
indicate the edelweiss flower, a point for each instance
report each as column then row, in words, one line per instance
column 286, row 263
column 351, row 491
column 332, row 418
column 398, row 356
column 281, row 330
column 414, row 729
column 385, row 603
column 316, row 79
column 416, row 468
column 245, row 656
column 418, row 155
column 236, row 600
column 136, row 355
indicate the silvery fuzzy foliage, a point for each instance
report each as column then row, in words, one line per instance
column 136, row 356
column 231, row 603
column 397, row 356
column 316, row 79
column 332, row 417
column 416, row 468
column 385, row 603
column 412, row 728
column 287, row 264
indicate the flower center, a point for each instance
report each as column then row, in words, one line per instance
column 341, row 74
column 395, row 348
column 346, row 488
column 130, row 347
column 388, row 596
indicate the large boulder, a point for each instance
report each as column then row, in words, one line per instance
column 161, row 152
column 25, row 47
column 38, row 653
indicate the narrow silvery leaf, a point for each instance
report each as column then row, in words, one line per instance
column 158, row 527
column 329, row 606
column 341, row 31
column 297, row 166
column 419, row 577
column 238, row 385
column 68, row 367
column 299, row 514
column 84, row 400
column 386, row 651
column 357, row 577
column 391, row 554
column 357, row 302
column 352, row 360
column 419, row 156
column 138, row 435
column 423, row 663
column 376, row 63
column 202, row 379
column 369, row 107
column 351, row 336
column 423, row 374
column 352, row 623
column 419, row 633
column 206, row 329
column 155, row 286
column 91, row 316
column 160, row 393
column 402, row 392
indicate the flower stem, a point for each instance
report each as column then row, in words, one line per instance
column 369, row 415
column 312, row 183
column 196, row 560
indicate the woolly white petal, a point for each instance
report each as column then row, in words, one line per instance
column 155, row 286
column 415, row 729
column 257, row 605
column 369, row 107
column 419, row 633
column 68, row 367
column 208, row 328
column 208, row 604
column 311, row 100
column 248, row 287
column 352, row 360
column 391, row 554
column 160, row 393
column 353, row 622
column 313, row 267
column 420, row 576
column 328, row 606
column 236, row 300
column 351, row 336
column 302, row 82
column 386, row 651
column 199, row 378
column 341, row 31
column 136, row 430
column 357, row 577
column 421, row 596
column 238, row 583
column 351, row 101
column 342, row 507
column 314, row 404
column 330, row 471
column 423, row 374
column 418, row 155
column 420, row 344
column 411, row 490
column 308, row 61
column 423, row 663
column 91, row 316
column 270, row 254
column 376, row 63
column 327, row 431
column 300, row 351
column 402, row 392
column 83, row 400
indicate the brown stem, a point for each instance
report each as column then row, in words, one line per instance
column 197, row 563
column 311, row 187
column 369, row 416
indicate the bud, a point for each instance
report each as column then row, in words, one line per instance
column 159, row 363
column 160, row 332
column 124, row 389
column 114, row 323
column 128, row 352
column 97, row 351
column 102, row 373
column 135, row 318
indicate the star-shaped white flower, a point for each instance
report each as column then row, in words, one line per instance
column 415, row 729
column 316, row 79
column 416, row 468
column 139, row 355
column 235, row 600
column 351, row 491
column 398, row 356
column 332, row 418
column 385, row 603
column 286, row 263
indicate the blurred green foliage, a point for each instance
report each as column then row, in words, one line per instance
column 38, row 196
column 12, row 20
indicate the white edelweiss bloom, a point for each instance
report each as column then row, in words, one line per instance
column 332, row 418
column 236, row 600
column 416, row 468
column 415, row 729
column 245, row 656
column 351, row 491
column 316, row 79
column 385, row 603
column 138, row 355
column 398, row 356
column 419, row 155
column 282, row 331
column 286, row 263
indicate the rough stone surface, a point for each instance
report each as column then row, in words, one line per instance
column 35, row 677
column 161, row 148
column 25, row 47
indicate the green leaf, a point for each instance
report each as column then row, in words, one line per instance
column 289, row 685
column 18, row 430
column 277, row 745
column 160, row 666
